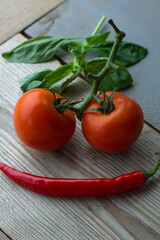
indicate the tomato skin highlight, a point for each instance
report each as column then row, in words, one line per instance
column 115, row 131
column 38, row 124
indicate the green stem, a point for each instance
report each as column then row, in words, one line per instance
column 95, row 31
column 101, row 21
column 87, row 101
column 95, row 84
column 119, row 35
column 149, row 174
column 66, row 106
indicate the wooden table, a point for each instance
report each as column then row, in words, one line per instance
column 25, row 215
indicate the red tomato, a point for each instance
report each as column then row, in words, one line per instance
column 38, row 124
column 117, row 130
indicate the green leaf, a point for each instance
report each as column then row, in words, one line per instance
column 128, row 53
column 57, row 75
column 69, row 44
column 114, row 79
column 75, row 48
column 70, row 80
column 37, row 50
column 95, row 39
column 33, row 80
column 45, row 78
column 79, row 55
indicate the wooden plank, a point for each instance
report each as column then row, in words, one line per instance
column 27, row 215
column 3, row 236
column 15, row 15
column 141, row 24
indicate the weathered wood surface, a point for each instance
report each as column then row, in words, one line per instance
column 140, row 21
column 15, row 15
column 3, row 236
column 26, row 215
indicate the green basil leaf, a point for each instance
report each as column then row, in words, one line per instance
column 128, row 53
column 97, row 38
column 57, row 75
column 75, row 48
column 69, row 44
column 37, row 50
column 33, row 80
column 70, row 80
column 45, row 78
column 114, row 79
column 77, row 52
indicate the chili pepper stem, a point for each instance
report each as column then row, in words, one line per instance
column 149, row 174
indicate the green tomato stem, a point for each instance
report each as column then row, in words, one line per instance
column 88, row 100
column 119, row 35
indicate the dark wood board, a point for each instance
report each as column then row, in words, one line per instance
column 139, row 19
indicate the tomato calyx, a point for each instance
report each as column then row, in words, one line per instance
column 61, row 104
column 106, row 106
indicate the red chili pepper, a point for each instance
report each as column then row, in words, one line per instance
column 63, row 187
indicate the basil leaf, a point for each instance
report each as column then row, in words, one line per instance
column 57, row 75
column 114, row 79
column 37, row 50
column 69, row 44
column 128, row 53
column 96, row 39
column 77, row 52
column 45, row 78
column 70, row 80
column 33, row 80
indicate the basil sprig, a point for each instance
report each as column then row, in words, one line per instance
column 43, row 48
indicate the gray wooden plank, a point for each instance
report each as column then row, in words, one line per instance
column 15, row 15
column 3, row 236
column 140, row 20
column 28, row 216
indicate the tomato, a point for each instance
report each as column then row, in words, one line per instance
column 117, row 130
column 38, row 124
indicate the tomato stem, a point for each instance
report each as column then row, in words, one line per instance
column 105, row 107
column 119, row 35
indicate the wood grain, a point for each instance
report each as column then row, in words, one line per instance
column 15, row 15
column 3, row 236
column 27, row 216
column 141, row 25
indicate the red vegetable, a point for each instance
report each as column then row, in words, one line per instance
column 114, row 131
column 38, row 124
column 63, row 187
